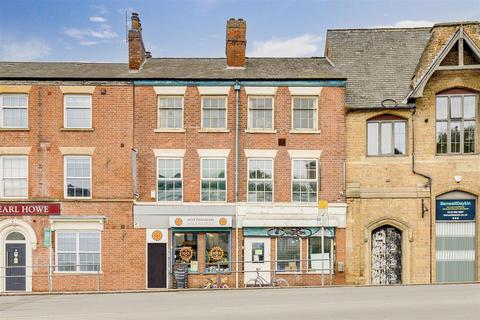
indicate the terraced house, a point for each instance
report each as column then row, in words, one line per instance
column 412, row 152
column 113, row 174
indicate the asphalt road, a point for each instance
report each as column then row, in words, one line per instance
column 409, row 302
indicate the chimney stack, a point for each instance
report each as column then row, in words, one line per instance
column 236, row 43
column 136, row 49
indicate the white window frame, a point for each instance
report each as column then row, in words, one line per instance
column 276, row 257
column 392, row 142
column 303, row 180
column 77, row 252
column 249, row 116
column 2, row 178
column 65, row 177
column 226, row 178
column 159, row 128
column 332, row 255
column 226, row 112
column 315, row 120
column 65, row 110
column 175, row 179
column 16, row 107
column 273, row 179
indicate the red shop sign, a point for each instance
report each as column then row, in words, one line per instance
column 13, row 209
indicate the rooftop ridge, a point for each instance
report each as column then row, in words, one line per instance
column 382, row 29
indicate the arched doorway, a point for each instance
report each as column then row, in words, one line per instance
column 386, row 255
column 15, row 262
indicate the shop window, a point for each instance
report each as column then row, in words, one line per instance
column 260, row 113
column 318, row 262
column 169, row 180
column 260, row 180
column 304, row 181
column 13, row 177
column 288, row 254
column 456, row 126
column 386, row 136
column 14, row 110
column 170, row 112
column 185, row 247
column 217, row 251
column 78, row 177
column 214, row 112
column 78, row 251
column 214, row 180
column 304, row 113
column 78, row 111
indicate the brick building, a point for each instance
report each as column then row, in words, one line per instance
column 234, row 155
column 412, row 152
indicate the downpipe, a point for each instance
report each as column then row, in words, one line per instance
column 237, row 92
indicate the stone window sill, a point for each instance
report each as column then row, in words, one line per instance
column 305, row 131
column 170, row 130
column 260, row 131
column 77, row 129
column 214, row 130
column 14, row 129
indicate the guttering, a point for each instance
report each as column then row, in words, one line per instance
column 414, row 171
column 237, row 91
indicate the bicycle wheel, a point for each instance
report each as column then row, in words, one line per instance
column 251, row 283
column 280, row 283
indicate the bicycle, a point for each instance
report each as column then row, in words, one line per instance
column 211, row 283
column 260, row 281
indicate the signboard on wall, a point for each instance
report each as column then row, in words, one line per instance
column 30, row 209
column 455, row 209
column 157, row 235
column 200, row 221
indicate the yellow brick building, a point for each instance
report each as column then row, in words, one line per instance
column 413, row 168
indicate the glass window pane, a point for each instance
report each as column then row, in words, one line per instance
column 15, row 118
column 170, row 112
column 469, row 107
column 386, row 138
column 78, row 118
column 66, row 241
column 442, row 137
column 372, row 138
column 317, row 261
column 304, row 110
column 89, row 241
column 288, row 254
column 400, row 136
column 217, row 251
column 185, row 249
column 442, row 108
column 456, row 107
column 469, row 136
column 89, row 262
column 455, row 130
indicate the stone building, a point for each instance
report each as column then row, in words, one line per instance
column 412, row 152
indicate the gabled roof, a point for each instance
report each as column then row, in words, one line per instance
column 176, row 68
column 459, row 35
column 378, row 63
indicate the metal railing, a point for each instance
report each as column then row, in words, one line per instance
column 50, row 272
column 303, row 269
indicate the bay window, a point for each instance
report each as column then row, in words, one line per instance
column 456, row 124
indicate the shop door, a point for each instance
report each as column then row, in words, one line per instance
column 157, row 265
column 386, row 256
column 257, row 255
column 15, row 270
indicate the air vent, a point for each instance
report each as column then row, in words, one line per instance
column 282, row 142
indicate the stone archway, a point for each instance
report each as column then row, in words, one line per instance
column 15, row 225
column 404, row 232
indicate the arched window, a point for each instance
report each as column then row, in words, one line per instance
column 386, row 136
column 456, row 121
column 15, row 236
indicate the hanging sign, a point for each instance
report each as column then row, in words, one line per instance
column 31, row 209
column 455, row 209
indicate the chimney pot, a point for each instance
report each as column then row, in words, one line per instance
column 236, row 42
column 136, row 48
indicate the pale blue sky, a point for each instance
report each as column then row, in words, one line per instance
column 61, row 30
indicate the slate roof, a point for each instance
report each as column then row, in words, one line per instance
column 378, row 63
column 175, row 68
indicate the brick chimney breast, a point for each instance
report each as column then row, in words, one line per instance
column 236, row 43
column 136, row 48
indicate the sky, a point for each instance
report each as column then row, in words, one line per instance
column 94, row 31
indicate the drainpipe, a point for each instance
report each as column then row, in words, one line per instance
column 414, row 171
column 237, row 91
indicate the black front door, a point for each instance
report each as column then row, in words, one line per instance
column 15, row 267
column 157, row 265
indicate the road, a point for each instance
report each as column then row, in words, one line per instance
column 408, row 302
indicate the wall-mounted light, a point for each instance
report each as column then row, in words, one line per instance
column 458, row 179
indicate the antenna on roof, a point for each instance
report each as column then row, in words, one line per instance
column 126, row 27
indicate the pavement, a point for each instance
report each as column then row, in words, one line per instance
column 396, row 302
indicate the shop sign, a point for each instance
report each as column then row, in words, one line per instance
column 11, row 209
column 287, row 232
column 157, row 235
column 456, row 209
column 200, row 221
